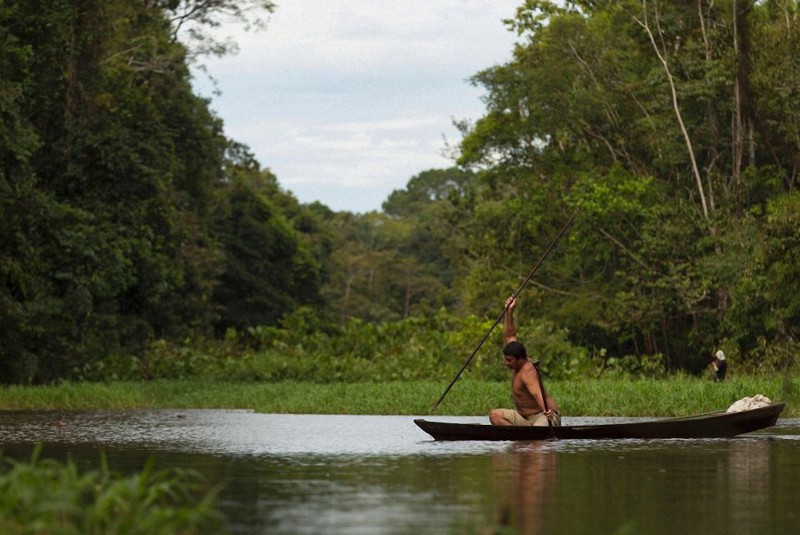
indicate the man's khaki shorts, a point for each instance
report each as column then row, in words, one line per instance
column 538, row 419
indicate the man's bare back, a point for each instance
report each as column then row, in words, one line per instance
column 523, row 382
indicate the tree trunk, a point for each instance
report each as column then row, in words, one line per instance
column 662, row 56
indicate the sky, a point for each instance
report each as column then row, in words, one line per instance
column 346, row 100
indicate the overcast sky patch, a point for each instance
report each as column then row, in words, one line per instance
column 346, row 100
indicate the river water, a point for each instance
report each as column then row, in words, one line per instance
column 310, row 474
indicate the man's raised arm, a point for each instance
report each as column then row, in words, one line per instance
column 509, row 330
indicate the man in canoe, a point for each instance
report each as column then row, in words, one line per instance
column 526, row 387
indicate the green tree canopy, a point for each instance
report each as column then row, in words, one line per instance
column 652, row 117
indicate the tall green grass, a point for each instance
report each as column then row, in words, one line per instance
column 674, row 396
column 47, row 496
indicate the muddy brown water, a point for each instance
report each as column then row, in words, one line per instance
column 312, row 474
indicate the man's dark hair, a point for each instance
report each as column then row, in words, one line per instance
column 515, row 349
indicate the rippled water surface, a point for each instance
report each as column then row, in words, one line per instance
column 292, row 474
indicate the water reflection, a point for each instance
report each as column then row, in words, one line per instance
column 746, row 495
column 289, row 474
column 527, row 486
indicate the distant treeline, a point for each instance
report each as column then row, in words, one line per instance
column 134, row 230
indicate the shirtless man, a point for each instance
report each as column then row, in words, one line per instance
column 525, row 385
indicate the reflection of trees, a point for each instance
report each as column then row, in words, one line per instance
column 527, row 488
column 656, row 487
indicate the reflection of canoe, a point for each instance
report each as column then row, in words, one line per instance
column 712, row 425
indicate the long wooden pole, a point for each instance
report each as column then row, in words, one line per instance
column 505, row 308
column 544, row 396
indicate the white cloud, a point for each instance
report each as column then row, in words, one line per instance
column 346, row 100
column 388, row 125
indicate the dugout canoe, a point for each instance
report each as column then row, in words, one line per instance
column 710, row 425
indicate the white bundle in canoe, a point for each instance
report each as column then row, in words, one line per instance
column 746, row 404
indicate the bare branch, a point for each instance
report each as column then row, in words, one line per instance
column 192, row 18
column 675, row 103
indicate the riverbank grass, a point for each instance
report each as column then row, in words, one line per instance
column 676, row 396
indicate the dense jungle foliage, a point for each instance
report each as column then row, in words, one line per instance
column 139, row 241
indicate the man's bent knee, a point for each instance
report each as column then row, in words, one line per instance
column 496, row 417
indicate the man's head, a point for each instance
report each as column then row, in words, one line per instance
column 515, row 349
column 513, row 353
